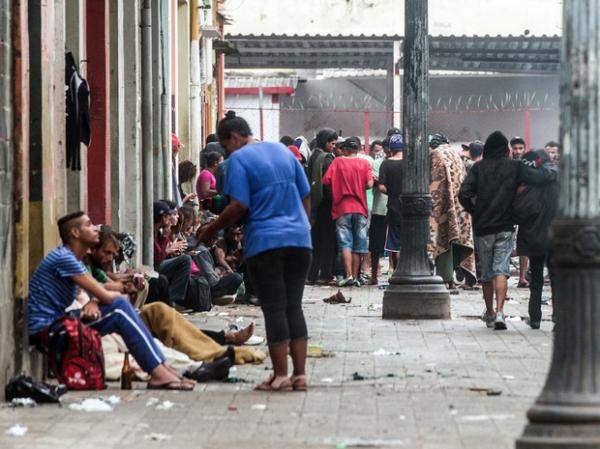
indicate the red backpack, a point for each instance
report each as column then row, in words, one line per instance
column 75, row 354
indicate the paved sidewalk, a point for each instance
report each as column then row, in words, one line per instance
column 425, row 385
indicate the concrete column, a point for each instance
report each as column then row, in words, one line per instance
column 567, row 412
column 75, row 43
column 157, row 87
column 131, row 190
column 413, row 291
column 183, row 83
column 98, row 51
column 117, row 115
column 195, row 115
column 166, row 99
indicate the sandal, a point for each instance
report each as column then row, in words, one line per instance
column 299, row 382
column 269, row 385
column 172, row 385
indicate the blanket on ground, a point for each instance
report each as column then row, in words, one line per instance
column 449, row 222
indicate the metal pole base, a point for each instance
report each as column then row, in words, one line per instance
column 560, row 436
column 423, row 297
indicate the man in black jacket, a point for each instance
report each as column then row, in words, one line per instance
column 487, row 194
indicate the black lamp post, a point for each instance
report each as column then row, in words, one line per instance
column 567, row 412
column 413, row 291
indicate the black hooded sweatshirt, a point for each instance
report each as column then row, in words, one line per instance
column 489, row 189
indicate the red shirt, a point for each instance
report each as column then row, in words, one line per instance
column 348, row 178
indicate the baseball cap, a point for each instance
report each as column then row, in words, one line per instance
column 517, row 140
column 476, row 146
column 175, row 142
column 161, row 208
column 396, row 142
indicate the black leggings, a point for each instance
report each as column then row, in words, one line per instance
column 278, row 277
column 536, row 286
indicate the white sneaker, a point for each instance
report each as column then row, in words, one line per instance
column 500, row 322
column 346, row 282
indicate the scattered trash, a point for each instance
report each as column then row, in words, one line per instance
column 23, row 402
column 487, row 391
column 113, row 400
column 512, row 301
column 402, row 417
column 508, row 377
column 255, row 340
column 236, row 380
column 513, row 318
column 317, row 351
column 17, row 431
column 239, row 319
column 91, row 405
column 375, row 307
column 338, row 298
column 476, row 418
column 232, row 408
column 383, row 285
column 430, row 368
column 158, row 437
column 454, row 412
column 356, row 376
column 341, row 446
column 166, row 405
column 223, row 314
column 384, row 352
column 151, row 402
column 327, row 380
column 143, row 425
column 22, row 386
column 258, row 407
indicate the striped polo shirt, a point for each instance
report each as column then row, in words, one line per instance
column 51, row 289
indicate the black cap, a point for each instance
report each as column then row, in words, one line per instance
column 474, row 147
column 516, row 141
column 161, row 208
column 351, row 143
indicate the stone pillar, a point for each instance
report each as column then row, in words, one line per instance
column 567, row 412
column 75, row 43
column 118, row 176
column 183, row 82
column 98, row 55
column 131, row 191
column 397, row 83
column 157, row 84
column 413, row 291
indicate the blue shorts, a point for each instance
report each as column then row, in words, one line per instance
column 392, row 241
column 352, row 233
column 494, row 252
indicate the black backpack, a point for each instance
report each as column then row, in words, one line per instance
column 197, row 296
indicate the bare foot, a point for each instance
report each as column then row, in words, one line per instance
column 240, row 337
column 163, row 377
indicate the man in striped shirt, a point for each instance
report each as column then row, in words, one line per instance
column 55, row 284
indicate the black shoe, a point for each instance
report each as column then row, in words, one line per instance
column 217, row 370
column 533, row 324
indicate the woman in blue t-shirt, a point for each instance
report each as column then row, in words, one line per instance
column 269, row 193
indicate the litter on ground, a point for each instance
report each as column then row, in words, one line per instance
column 17, row 431
column 91, row 405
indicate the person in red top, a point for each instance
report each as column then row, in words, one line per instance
column 350, row 177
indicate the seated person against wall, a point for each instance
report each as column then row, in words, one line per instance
column 223, row 284
column 170, row 259
column 55, row 284
column 99, row 263
column 227, row 250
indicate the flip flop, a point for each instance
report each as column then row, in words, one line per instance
column 172, row 385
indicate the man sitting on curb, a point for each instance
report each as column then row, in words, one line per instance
column 55, row 284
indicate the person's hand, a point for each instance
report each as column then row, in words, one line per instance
column 177, row 247
column 91, row 311
column 189, row 197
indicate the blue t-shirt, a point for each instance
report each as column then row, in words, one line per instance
column 270, row 182
column 51, row 289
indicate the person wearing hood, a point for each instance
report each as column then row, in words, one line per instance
column 323, row 227
column 487, row 193
column 303, row 146
column 534, row 208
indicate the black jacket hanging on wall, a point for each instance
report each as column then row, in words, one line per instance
column 78, row 112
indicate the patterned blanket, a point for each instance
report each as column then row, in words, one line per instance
column 449, row 222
